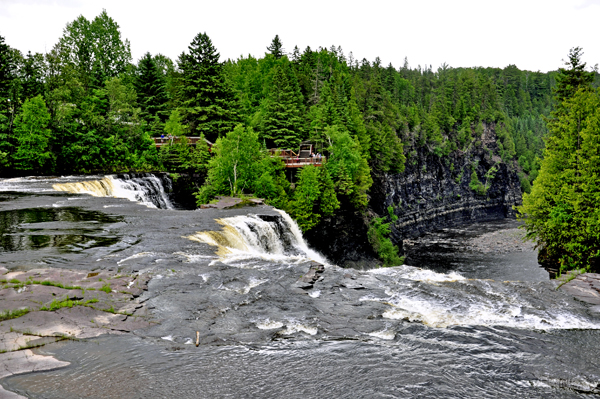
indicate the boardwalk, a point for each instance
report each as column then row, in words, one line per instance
column 293, row 160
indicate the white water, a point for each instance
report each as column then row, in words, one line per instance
column 248, row 237
column 147, row 190
column 443, row 300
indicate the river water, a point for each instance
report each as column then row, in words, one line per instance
column 458, row 321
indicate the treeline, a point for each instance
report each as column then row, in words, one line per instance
column 86, row 107
column 562, row 212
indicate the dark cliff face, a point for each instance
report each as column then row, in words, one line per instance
column 433, row 192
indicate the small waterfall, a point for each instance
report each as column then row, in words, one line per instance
column 145, row 188
column 273, row 237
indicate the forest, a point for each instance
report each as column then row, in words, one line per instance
column 87, row 107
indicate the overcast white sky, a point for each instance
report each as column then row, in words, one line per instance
column 532, row 34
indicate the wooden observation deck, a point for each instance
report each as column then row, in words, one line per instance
column 289, row 157
column 300, row 159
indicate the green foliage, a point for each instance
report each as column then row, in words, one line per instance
column 276, row 48
column 568, row 81
column 561, row 213
column 150, row 86
column 57, row 304
column 378, row 236
column 178, row 155
column 241, row 166
column 237, row 162
column 209, row 104
column 347, row 166
column 92, row 51
column 281, row 116
column 33, row 136
column 13, row 314
column 314, row 197
column 106, row 288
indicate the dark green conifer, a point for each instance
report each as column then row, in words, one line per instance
column 276, row 48
column 209, row 104
column 569, row 80
column 282, row 120
column 150, row 87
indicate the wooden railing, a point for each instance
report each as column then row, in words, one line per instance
column 294, row 162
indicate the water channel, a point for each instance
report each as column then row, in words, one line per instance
column 470, row 315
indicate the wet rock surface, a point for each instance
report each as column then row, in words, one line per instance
column 585, row 287
column 283, row 324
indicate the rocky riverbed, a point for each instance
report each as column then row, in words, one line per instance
column 269, row 313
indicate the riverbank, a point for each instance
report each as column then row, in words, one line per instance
column 584, row 287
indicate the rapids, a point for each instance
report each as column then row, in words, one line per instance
column 471, row 325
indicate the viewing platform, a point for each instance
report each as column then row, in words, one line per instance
column 304, row 157
column 293, row 160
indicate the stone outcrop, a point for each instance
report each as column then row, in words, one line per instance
column 433, row 192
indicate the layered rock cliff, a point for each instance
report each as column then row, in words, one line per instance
column 433, row 192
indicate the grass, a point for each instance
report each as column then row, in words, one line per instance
column 571, row 276
column 66, row 303
column 19, row 284
column 13, row 314
column 106, row 288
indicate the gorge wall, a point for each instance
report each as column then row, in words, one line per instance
column 432, row 193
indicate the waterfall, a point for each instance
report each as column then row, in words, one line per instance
column 273, row 237
column 145, row 188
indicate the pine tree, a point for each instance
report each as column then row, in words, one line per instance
column 276, row 48
column 32, row 75
column 150, row 87
column 568, row 81
column 209, row 104
column 282, row 120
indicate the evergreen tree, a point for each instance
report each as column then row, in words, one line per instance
column 150, row 87
column 282, row 121
column 209, row 104
column 562, row 209
column 32, row 75
column 568, row 81
column 276, row 48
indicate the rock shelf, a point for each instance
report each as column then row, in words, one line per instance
column 56, row 304
column 584, row 287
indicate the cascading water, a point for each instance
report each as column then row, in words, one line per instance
column 275, row 238
column 147, row 189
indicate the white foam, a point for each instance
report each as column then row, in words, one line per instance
column 384, row 334
column 268, row 324
column 314, row 294
column 417, row 274
column 248, row 237
column 480, row 311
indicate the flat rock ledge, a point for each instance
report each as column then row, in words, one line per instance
column 47, row 305
column 584, row 287
column 232, row 202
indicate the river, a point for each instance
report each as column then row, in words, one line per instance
column 460, row 320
